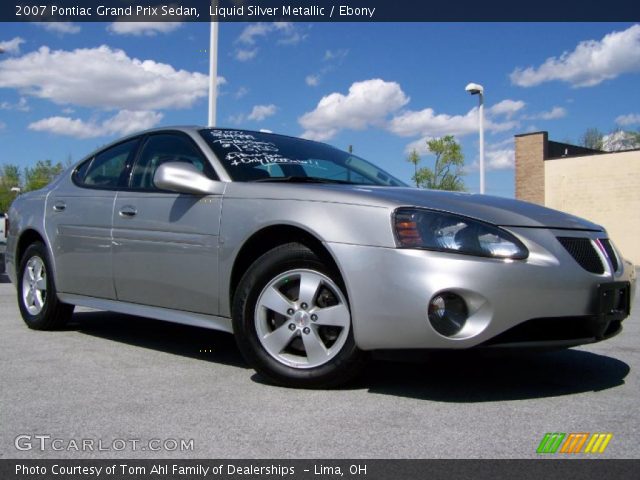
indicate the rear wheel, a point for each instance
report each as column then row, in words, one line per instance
column 37, row 299
column 292, row 320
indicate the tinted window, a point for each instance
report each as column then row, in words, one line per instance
column 107, row 166
column 258, row 156
column 159, row 149
column 81, row 171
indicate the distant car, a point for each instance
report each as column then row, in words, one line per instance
column 311, row 256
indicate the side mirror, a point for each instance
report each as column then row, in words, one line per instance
column 185, row 178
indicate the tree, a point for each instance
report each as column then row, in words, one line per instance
column 447, row 169
column 592, row 138
column 9, row 178
column 414, row 159
column 41, row 175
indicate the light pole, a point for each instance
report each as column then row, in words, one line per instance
column 213, row 68
column 476, row 89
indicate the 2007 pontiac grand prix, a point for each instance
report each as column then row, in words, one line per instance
column 311, row 256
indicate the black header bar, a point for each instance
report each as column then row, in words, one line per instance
column 316, row 11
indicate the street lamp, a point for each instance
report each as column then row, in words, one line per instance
column 213, row 73
column 475, row 89
column 213, row 68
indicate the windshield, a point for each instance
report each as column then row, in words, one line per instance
column 266, row 157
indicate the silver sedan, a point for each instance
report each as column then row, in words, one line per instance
column 311, row 256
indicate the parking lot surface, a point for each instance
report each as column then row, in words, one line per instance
column 111, row 378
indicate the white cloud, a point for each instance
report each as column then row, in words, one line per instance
column 11, row 46
column 332, row 59
column 73, row 127
column 590, row 63
column 338, row 55
column 260, row 112
column 59, row 27
column 142, row 28
column 553, row 114
column 629, row 119
column 287, row 32
column 292, row 37
column 419, row 146
column 426, row 122
column 503, row 159
column 103, row 77
column 21, row 106
column 127, row 121
column 244, row 55
column 254, row 30
column 498, row 156
column 368, row 103
column 3, row 125
column 507, row 108
column 312, row 80
column 241, row 92
column 123, row 123
column 429, row 124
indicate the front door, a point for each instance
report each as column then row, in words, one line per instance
column 165, row 250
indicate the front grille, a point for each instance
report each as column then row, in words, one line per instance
column 582, row 250
column 610, row 253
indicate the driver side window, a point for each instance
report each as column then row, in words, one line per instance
column 164, row 148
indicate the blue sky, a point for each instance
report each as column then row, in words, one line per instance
column 66, row 89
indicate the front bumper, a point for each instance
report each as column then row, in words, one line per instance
column 389, row 290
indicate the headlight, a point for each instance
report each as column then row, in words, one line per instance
column 446, row 232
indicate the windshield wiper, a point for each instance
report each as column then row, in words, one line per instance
column 299, row 179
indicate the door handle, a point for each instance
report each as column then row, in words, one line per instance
column 59, row 206
column 128, row 212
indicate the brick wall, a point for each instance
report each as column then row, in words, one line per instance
column 531, row 151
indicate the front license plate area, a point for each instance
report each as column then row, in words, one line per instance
column 614, row 300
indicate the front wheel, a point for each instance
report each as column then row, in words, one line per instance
column 292, row 320
column 37, row 299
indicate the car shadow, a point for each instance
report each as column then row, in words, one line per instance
column 457, row 377
column 192, row 342
column 4, row 278
column 489, row 376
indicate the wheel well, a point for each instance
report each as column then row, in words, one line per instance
column 268, row 238
column 27, row 238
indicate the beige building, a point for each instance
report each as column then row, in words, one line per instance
column 599, row 186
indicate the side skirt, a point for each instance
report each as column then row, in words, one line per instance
column 212, row 322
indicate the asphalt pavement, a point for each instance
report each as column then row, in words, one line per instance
column 114, row 381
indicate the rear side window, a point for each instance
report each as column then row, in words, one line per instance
column 164, row 148
column 106, row 168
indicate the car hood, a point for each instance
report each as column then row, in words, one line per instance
column 497, row 210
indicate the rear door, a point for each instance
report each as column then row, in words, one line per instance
column 165, row 243
column 78, row 221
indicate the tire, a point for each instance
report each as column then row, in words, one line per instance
column 37, row 297
column 295, row 340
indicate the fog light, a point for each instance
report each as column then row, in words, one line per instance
column 447, row 313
